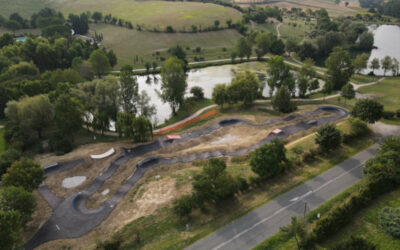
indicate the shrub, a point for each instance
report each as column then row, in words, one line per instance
column 355, row 243
column 269, row 160
column 398, row 113
column 367, row 110
column 242, row 183
column 183, row 206
column 197, row 92
column 358, row 127
column 328, row 137
column 389, row 115
column 389, row 218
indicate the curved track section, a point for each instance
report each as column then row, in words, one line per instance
column 71, row 218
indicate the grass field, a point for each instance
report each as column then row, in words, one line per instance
column 329, row 5
column 295, row 28
column 129, row 43
column 151, row 14
column 387, row 93
column 361, row 79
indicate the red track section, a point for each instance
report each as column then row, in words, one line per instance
column 196, row 119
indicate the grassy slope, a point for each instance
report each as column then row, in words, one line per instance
column 129, row 43
column 24, row 7
column 155, row 13
column 164, row 231
column 388, row 93
column 361, row 79
column 297, row 33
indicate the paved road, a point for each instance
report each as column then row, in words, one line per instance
column 253, row 228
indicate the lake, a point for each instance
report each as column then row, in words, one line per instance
column 387, row 41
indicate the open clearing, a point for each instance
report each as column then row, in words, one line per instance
column 151, row 14
column 386, row 92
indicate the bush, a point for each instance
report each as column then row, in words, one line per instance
column 307, row 157
column 389, row 218
column 197, row 92
column 398, row 113
column 242, row 184
column 358, row 127
column 114, row 243
column 367, row 110
column 183, row 206
column 269, row 160
column 328, row 137
column 388, row 115
column 355, row 243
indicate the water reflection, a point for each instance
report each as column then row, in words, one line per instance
column 387, row 41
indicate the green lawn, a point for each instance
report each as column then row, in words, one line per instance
column 129, row 43
column 360, row 79
column 163, row 230
column 386, row 92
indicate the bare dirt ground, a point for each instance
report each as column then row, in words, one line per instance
column 39, row 217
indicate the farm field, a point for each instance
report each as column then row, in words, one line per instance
column 146, row 44
column 151, row 14
column 296, row 29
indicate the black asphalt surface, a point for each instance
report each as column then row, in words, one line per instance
column 71, row 218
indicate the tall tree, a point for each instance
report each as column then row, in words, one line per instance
column 99, row 62
column 281, row 101
column 277, row 72
column 10, row 230
column 128, row 90
column 367, row 110
column 174, row 84
column 31, row 113
column 348, row 91
column 244, row 87
column 243, row 48
column 220, row 95
column 24, row 173
column 386, row 63
column 360, row 62
column 304, row 76
column 18, row 199
column 328, row 137
column 340, row 68
column 375, row 64
column 395, row 67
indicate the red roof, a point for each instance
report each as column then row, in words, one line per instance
column 173, row 137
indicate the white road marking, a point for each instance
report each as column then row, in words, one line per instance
column 58, row 228
column 282, row 209
column 302, row 196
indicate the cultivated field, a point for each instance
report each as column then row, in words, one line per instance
column 151, row 14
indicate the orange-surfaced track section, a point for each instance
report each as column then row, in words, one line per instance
column 183, row 124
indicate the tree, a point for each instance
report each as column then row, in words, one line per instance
column 244, row 87
column 18, row 199
column 174, row 84
column 386, row 63
column 80, row 24
column 366, row 41
column 99, row 62
column 281, row 101
column 220, row 95
column 144, row 106
column 12, row 25
column 147, row 65
column 31, row 113
column 269, row 159
column 348, row 91
column 97, row 16
column 128, row 90
column 179, row 53
column 10, row 230
column 297, row 229
column 277, row 72
column 216, row 24
column 375, row 64
column 7, row 158
column 328, row 137
column 304, row 76
column 367, row 110
column 360, row 62
column 355, row 243
column 67, row 120
column 395, row 67
column 263, row 42
column 24, row 173
column 243, row 48
column 340, row 68
column 197, row 92
column 213, row 183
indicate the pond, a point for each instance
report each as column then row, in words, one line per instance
column 20, row 39
column 387, row 43
column 205, row 78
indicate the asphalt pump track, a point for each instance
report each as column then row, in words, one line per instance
column 71, row 218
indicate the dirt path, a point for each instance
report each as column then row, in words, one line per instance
column 278, row 33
